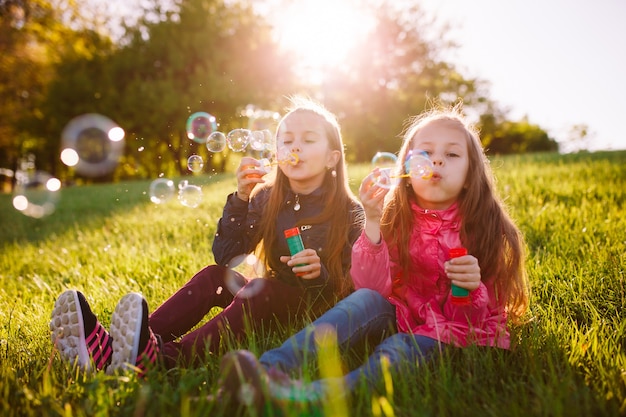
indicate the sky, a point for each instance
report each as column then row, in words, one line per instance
column 558, row 62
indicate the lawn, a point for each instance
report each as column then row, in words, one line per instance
column 108, row 239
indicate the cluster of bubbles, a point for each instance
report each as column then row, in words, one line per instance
column 90, row 143
column 416, row 165
column 202, row 128
column 163, row 190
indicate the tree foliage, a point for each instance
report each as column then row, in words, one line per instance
column 217, row 56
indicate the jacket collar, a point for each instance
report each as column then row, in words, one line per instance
column 431, row 221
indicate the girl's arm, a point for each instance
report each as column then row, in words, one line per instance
column 370, row 257
column 370, row 265
column 237, row 223
column 233, row 235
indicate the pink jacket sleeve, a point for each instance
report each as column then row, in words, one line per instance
column 371, row 267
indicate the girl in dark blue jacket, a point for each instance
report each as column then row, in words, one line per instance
column 310, row 193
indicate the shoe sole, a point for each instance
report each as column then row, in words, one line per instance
column 68, row 330
column 126, row 332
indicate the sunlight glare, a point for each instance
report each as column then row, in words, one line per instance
column 321, row 32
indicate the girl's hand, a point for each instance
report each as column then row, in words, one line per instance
column 309, row 263
column 464, row 272
column 248, row 177
column 372, row 197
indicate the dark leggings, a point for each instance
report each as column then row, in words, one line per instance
column 260, row 303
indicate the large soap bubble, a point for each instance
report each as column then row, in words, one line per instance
column 92, row 144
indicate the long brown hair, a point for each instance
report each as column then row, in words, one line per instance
column 483, row 215
column 339, row 201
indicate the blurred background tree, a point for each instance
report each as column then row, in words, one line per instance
column 150, row 72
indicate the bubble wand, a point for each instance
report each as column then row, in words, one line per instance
column 416, row 165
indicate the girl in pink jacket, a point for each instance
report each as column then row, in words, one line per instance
column 403, row 273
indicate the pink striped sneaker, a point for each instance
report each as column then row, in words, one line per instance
column 135, row 346
column 77, row 334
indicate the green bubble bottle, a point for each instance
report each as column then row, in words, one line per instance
column 294, row 241
column 460, row 296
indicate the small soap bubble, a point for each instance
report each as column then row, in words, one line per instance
column 189, row 195
column 384, row 160
column 36, row 194
column 200, row 125
column 195, row 163
column 216, row 142
column 266, row 165
column 242, row 273
column 285, row 156
column 238, row 139
column 161, row 190
column 260, row 140
column 386, row 164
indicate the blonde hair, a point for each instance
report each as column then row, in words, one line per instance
column 339, row 204
column 482, row 214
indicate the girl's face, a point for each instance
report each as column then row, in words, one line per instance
column 303, row 133
column 447, row 149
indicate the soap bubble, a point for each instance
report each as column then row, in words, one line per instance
column 36, row 194
column 238, row 139
column 418, row 165
column 161, row 190
column 386, row 163
column 200, row 125
column 384, row 160
column 195, row 163
column 285, row 156
column 261, row 140
column 93, row 144
column 242, row 274
column 189, row 195
column 216, row 142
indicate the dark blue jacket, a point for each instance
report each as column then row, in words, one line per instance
column 236, row 232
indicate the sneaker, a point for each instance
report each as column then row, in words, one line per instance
column 134, row 344
column 77, row 334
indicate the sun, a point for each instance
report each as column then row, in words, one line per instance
column 321, row 32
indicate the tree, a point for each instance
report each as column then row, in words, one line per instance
column 506, row 137
column 26, row 26
column 392, row 75
column 204, row 55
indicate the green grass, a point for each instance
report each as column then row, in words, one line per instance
column 106, row 240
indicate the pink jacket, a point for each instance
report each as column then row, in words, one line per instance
column 423, row 301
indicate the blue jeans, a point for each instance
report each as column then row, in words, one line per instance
column 362, row 314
